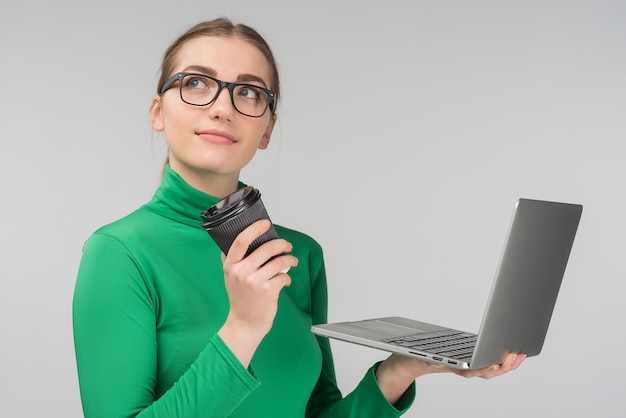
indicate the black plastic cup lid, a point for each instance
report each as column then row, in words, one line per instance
column 229, row 207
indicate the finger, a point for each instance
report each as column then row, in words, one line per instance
column 510, row 363
column 268, row 252
column 485, row 373
column 241, row 243
column 281, row 280
column 279, row 265
column 519, row 359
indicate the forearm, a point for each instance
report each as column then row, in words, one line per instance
column 394, row 378
column 214, row 386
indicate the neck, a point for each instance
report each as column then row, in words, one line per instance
column 216, row 185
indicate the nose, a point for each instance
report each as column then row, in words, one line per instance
column 222, row 106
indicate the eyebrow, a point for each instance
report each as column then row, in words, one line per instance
column 241, row 78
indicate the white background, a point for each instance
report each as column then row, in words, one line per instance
column 407, row 132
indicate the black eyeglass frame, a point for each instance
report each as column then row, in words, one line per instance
column 271, row 103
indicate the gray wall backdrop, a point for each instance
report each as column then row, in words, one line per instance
column 471, row 106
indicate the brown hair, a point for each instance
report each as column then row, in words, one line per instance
column 224, row 28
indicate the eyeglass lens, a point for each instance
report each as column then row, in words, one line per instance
column 247, row 99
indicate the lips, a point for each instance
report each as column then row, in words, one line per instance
column 216, row 137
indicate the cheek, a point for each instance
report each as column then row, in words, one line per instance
column 177, row 121
column 174, row 111
column 175, row 134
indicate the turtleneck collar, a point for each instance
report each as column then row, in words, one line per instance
column 177, row 200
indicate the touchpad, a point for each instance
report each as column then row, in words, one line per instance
column 386, row 327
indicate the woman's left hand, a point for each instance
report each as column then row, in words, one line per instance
column 510, row 363
column 397, row 372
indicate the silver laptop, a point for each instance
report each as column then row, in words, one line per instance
column 518, row 312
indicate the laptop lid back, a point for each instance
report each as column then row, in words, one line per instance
column 528, row 279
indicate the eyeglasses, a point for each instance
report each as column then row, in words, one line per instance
column 202, row 90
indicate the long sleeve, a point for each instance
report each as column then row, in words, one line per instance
column 115, row 316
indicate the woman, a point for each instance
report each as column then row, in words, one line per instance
column 166, row 325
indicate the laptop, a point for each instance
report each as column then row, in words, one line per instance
column 519, row 308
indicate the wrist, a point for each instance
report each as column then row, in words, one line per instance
column 393, row 378
column 241, row 341
column 397, row 373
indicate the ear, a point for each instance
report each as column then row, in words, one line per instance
column 265, row 140
column 156, row 114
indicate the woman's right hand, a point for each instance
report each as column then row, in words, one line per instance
column 253, row 288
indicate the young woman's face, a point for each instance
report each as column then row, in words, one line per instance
column 214, row 140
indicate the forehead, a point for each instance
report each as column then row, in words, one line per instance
column 229, row 57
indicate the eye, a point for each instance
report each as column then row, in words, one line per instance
column 196, row 82
column 250, row 92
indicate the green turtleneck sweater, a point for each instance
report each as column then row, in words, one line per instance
column 149, row 301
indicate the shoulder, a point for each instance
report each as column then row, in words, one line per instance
column 311, row 271
column 299, row 239
column 305, row 248
column 124, row 233
column 139, row 222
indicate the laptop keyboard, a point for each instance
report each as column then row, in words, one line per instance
column 449, row 343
